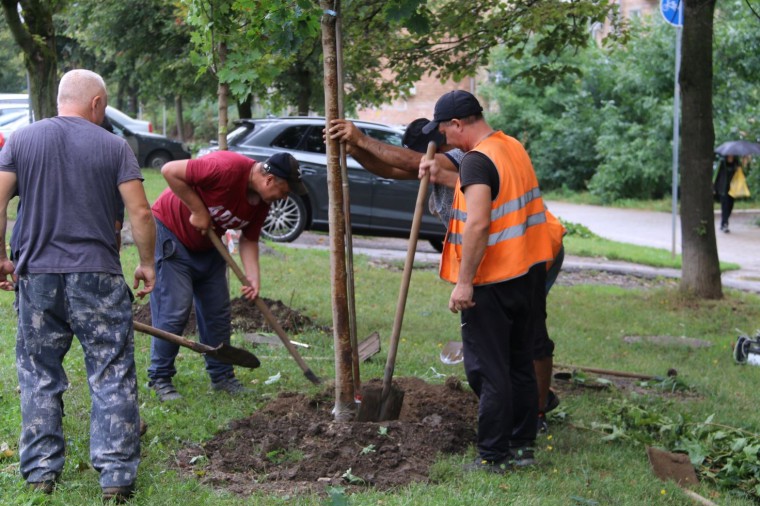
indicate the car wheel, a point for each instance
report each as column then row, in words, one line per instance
column 286, row 219
column 437, row 244
column 158, row 159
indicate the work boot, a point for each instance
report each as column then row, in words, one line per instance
column 497, row 467
column 230, row 384
column 119, row 495
column 164, row 389
column 45, row 486
column 522, row 456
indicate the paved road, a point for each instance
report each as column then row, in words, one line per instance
column 645, row 228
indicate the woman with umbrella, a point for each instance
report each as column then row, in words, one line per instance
column 726, row 171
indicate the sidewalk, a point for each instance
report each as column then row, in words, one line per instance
column 655, row 229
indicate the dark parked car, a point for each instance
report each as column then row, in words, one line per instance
column 152, row 150
column 379, row 206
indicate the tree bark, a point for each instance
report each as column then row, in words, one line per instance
column 35, row 35
column 700, row 274
column 180, row 118
column 223, row 91
column 345, row 406
column 245, row 107
column 303, row 81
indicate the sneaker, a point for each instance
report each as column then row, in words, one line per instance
column 230, row 384
column 119, row 495
column 164, row 389
column 523, row 457
column 45, row 486
column 497, row 467
column 552, row 401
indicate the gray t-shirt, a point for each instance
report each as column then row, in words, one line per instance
column 68, row 172
column 442, row 197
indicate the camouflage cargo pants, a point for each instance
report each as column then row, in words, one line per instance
column 97, row 308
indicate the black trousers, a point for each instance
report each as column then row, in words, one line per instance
column 498, row 334
column 726, row 206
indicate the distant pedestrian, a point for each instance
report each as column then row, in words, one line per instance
column 726, row 171
column 70, row 175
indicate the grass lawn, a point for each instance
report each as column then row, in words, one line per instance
column 579, row 463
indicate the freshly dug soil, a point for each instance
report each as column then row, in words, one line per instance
column 294, row 445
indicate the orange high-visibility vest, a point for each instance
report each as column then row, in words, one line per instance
column 519, row 236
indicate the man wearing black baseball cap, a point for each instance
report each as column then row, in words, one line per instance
column 495, row 254
column 454, row 104
column 217, row 192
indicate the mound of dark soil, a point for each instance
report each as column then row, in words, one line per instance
column 245, row 317
column 294, row 445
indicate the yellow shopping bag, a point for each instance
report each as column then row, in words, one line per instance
column 739, row 188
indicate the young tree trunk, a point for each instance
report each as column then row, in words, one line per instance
column 345, row 407
column 180, row 118
column 35, row 35
column 223, row 92
column 700, row 272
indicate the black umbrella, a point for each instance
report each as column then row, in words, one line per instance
column 738, row 148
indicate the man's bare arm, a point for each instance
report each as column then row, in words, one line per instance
column 143, row 233
column 175, row 174
column 7, row 190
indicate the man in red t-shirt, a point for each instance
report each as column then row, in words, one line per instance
column 223, row 190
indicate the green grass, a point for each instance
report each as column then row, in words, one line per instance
column 576, row 465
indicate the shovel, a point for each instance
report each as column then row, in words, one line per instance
column 677, row 467
column 262, row 307
column 223, row 353
column 378, row 406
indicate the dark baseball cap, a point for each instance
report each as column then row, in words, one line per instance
column 284, row 166
column 454, row 104
column 417, row 141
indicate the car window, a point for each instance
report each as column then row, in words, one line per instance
column 291, row 137
column 384, row 136
column 314, row 142
column 242, row 135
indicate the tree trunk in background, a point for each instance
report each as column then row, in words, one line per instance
column 245, row 108
column 180, row 118
column 223, row 91
column 35, row 35
column 345, row 406
column 700, row 272
column 303, row 81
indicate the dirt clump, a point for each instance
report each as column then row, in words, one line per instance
column 294, row 445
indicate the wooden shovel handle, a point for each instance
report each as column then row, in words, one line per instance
column 262, row 307
column 390, row 363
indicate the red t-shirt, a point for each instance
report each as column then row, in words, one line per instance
column 221, row 180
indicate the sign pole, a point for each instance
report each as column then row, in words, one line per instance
column 676, row 124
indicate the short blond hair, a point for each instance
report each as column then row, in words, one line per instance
column 79, row 86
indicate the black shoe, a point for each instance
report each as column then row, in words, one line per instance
column 119, row 495
column 231, row 385
column 497, row 467
column 552, row 401
column 164, row 389
column 724, row 228
column 45, row 486
column 522, row 457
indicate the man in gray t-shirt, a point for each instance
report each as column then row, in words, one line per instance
column 70, row 175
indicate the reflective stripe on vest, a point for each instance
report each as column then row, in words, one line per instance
column 518, row 236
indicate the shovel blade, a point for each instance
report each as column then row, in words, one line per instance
column 452, row 353
column 235, row 356
column 374, row 409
